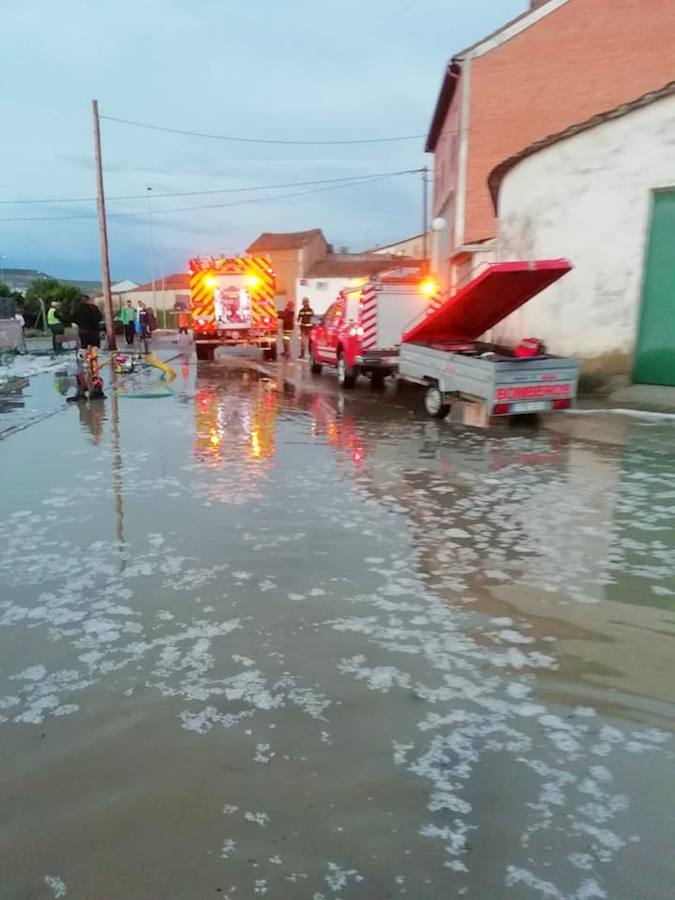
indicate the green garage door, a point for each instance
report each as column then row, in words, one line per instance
column 655, row 351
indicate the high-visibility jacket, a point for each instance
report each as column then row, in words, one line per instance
column 52, row 317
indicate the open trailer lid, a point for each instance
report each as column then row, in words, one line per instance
column 486, row 300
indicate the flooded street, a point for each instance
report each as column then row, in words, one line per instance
column 264, row 642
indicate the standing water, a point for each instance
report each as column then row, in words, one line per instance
column 257, row 643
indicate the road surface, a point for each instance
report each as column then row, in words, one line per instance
column 258, row 641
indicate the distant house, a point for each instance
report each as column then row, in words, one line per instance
column 168, row 293
column 337, row 271
column 120, row 291
column 122, row 287
column 414, row 246
column 292, row 254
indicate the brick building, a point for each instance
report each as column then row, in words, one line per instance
column 559, row 63
column 292, row 254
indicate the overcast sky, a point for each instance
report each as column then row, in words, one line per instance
column 284, row 69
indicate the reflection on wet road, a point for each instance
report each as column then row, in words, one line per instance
column 263, row 643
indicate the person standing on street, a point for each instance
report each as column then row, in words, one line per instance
column 88, row 317
column 55, row 324
column 306, row 323
column 146, row 321
column 21, row 322
column 288, row 321
column 128, row 319
column 183, row 324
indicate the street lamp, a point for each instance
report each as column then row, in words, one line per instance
column 152, row 250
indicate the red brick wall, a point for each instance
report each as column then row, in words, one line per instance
column 446, row 152
column 586, row 57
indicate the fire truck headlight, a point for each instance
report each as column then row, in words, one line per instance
column 356, row 331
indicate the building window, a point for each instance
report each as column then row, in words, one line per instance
column 322, row 285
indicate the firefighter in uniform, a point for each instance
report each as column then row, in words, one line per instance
column 306, row 323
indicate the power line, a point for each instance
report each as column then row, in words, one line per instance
column 356, row 183
column 246, row 140
column 258, row 187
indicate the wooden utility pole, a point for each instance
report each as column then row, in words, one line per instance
column 103, row 233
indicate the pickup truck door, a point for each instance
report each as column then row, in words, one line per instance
column 328, row 334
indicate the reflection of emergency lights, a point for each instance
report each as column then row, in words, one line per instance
column 255, row 444
column 340, row 432
column 250, row 433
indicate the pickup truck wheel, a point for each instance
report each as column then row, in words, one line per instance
column 377, row 380
column 434, row 403
column 346, row 375
column 205, row 352
column 314, row 367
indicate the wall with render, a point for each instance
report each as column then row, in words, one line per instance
column 320, row 292
column 588, row 198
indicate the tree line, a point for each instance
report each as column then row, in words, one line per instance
column 49, row 290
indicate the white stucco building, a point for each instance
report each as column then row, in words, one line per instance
column 166, row 294
column 337, row 271
column 602, row 194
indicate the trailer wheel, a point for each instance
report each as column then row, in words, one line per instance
column 205, row 352
column 314, row 367
column 346, row 375
column 435, row 404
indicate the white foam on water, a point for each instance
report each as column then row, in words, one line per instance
column 228, row 848
column 338, row 877
column 57, row 885
column 259, row 818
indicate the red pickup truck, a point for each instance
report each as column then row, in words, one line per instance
column 361, row 331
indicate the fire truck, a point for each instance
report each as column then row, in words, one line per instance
column 232, row 301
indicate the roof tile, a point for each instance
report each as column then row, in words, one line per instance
column 289, row 240
column 359, row 265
